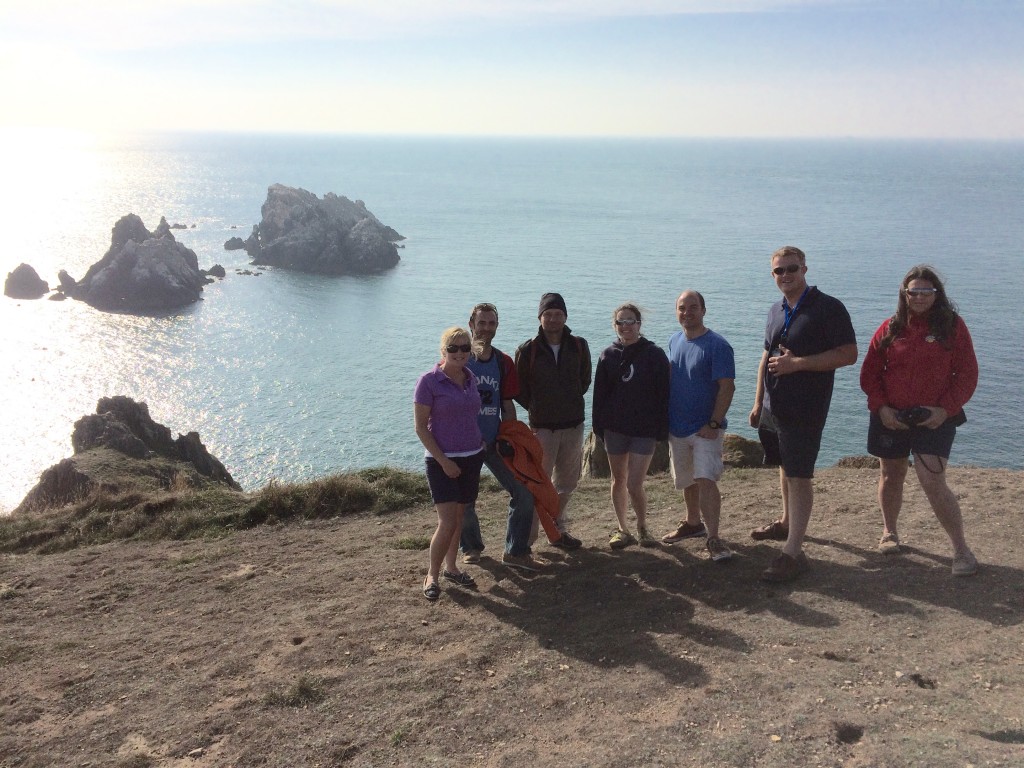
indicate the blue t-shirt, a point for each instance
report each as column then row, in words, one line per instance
column 696, row 366
column 488, row 384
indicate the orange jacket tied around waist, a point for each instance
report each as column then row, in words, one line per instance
column 518, row 446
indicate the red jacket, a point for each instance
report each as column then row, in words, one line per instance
column 519, row 447
column 915, row 371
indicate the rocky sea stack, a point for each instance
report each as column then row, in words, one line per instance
column 120, row 447
column 330, row 236
column 24, row 283
column 142, row 272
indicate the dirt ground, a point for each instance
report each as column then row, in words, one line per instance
column 312, row 644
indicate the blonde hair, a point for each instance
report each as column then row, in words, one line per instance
column 790, row 250
column 450, row 335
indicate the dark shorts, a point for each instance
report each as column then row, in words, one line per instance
column 616, row 444
column 794, row 447
column 770, row 442
column 462, row 489
column 900, row 443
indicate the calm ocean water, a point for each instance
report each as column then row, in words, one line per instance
column 292, row 376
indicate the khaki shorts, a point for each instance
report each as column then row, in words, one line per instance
column 696, row 457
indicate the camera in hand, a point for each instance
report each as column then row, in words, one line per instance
column 913, row 416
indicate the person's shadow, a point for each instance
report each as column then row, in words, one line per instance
column 610, row 609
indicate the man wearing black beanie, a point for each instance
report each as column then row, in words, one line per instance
column 554, row 371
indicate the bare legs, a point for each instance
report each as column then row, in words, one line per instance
column 629, row 471
column 942, row 499
column 784, row 487
column 931, row 473
column 691, row 495
column 797, row 501
column 703, row 501
column 444, row 544
column 891, row 476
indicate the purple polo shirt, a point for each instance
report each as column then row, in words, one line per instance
column 453, row 411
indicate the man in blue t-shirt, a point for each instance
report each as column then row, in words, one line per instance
column 498, row 384
column 702, row 383
column 807, row 337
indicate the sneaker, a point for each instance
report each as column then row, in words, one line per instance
column 461, row 578
column 717, row 550
column 621, row 539
column 567, row 542
column 471, row 556
column 646, row 540
column 774, row 531
column 965, row 564
column 890, row 544
column 526, row 561
column 685, row 531
column 786, row 568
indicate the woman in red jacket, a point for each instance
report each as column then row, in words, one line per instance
column 918, row 373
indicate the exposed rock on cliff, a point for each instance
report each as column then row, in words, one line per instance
column 332, row 236
column 737, row 451
column 119, row 447
column 24, row 283
column 595, row 458
column 142, row 272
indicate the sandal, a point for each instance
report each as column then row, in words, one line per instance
column 774, row 531
column 462, row 578
column 431, row 590
column 889, row 545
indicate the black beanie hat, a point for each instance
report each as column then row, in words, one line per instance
column 552, row 301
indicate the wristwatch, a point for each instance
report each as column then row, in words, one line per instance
column 714, row 424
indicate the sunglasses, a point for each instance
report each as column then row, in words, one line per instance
column 627, row 322
column 453, row 348
column 786, row 270
column 920, row 291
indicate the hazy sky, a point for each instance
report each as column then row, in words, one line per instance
column 923, row 68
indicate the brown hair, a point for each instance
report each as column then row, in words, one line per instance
column 483, row 307
column 941, row 317
column 627, row 308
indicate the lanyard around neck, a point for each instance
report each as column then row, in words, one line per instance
column 790, row 313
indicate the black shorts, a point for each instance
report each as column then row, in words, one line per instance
column 794, row 447
column 770, row 443
column 900, row 443
column 462, row 489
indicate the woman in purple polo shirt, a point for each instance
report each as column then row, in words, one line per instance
column 446, row 405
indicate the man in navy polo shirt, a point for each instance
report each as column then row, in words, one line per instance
column 808, row 336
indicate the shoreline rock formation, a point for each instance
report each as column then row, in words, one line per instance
column 330, row 236
column 119, row 447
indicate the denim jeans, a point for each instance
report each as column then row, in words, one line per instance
column 520, row 510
